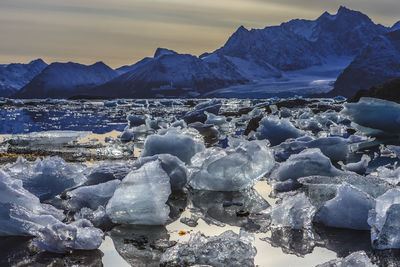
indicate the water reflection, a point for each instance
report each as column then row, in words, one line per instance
column 19, row 251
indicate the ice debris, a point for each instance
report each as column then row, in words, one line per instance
column 227, row 249
column 385, row 221
column 358, row 167
column 364, row 114
column 237, row 167
column 277, row 130
column 295, row 212
column 307, row 163
column 172, row 142
column 349, row 209
column 91, row 196
column 355, row 259
column 141, row 197
column 48, row 177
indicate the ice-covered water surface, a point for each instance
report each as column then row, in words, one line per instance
column 267, row 182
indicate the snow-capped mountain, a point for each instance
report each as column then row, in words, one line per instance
column 61, row 80
column 16, row 75
column 169, row 73
column 396, row 26
column 299, row 44
column 378, row 62
column 298, row 50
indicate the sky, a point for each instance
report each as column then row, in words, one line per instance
column 121, row 32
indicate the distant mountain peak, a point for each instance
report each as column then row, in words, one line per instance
column 164, row 51
column 37, row 61
column 396, row 26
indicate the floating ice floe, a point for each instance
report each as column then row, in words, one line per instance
column 48, row 177
column 91, row 196
column 63, row 238
column 141, row 197
column 358, row 167
column 335, row 148
column 198, row 113
column 349, row 209
column 172, row 165
column 108, row 171
column 46, row 138
column 364, row 114
column 174, row 142
column 323, row 188
column 277, row 130
column 307, row 163
column 385, row 221
column 295, row 212
column 355, row 259
column 97, row 217
column 22, row 214
column 227, row 249
column 237, row 167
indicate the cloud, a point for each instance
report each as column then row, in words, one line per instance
column 123, row 31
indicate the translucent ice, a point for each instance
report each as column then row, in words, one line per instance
column 237, row 167
column 364, row 113
column 306, row 163
column 198, row 114
column 108, row 171
column 227, row 249
column 141, row 197
column 172, row 142
column 355, row 259
column 91, row 196
column 385, row 221
column 295, row 212
column 277, row 130
column 358, row 167
column 21, row 213
column 48, row 177
column 173, row 166
column 61, row 238
column 349, row 209
column 322, row 188
column 335, row 148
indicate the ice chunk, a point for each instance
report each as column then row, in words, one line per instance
column 127, row 135
column 358, row 167
column 385, row 221
column 97, row 217
column 211, row 205
column 46, row 138
column 227, row 249
column 355, row 259
column 21, row 213
column 108, row 171
column 61, row 238
column 308, row 162
column 365, row 114
column 198, row 114
column 91, row 196
column 237, row 167
column 277, row 130
column 172, row 142
column 349, row 209
column 141, row 197
column 322, row 188
column 48, row 177
column 173, row 166
column 335, row 148
column 295, row 212
column 136, row 120
column 215, row 120
column 208, row 131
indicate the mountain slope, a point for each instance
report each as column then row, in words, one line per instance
column 377, row 63
column 60, row 80
column 16, row 75
column 169, row 73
